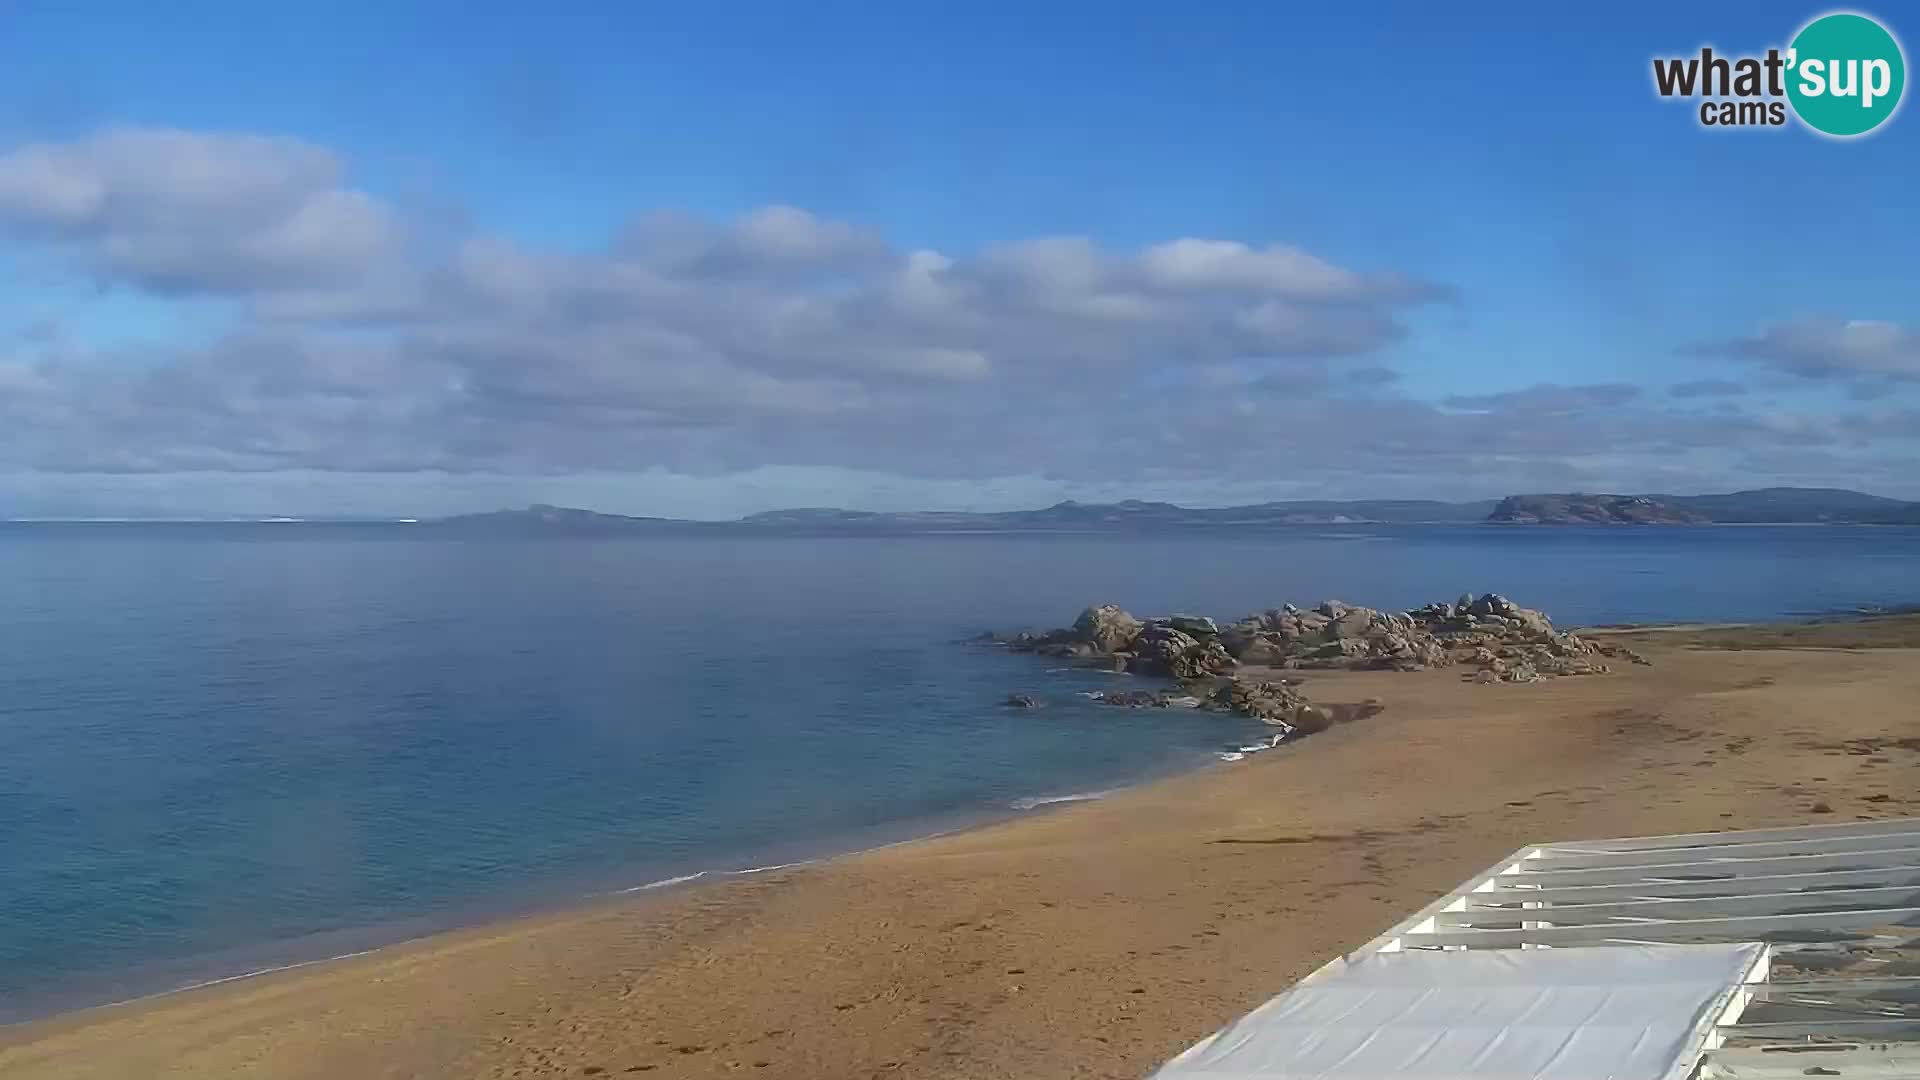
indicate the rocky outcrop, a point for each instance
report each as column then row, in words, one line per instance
column 1489, row 632
column 1160, row 649
column 1238, row 667
column 1107, row 628
column 1282, row 705
column 1197, row 625
column 1264, row 700
column 1593, row 510
column 1145, row 699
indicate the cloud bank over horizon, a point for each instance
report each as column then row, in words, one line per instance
column 305, row 345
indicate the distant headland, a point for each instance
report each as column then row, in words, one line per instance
column 1773, row 506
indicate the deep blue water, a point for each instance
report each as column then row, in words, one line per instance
column 223, row 747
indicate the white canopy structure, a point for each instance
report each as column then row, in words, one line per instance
column 1767, row 953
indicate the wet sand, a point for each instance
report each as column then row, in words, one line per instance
column 1094, row 940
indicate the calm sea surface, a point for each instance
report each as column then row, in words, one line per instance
column 228, row 747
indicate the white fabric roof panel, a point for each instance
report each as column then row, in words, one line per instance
column 1617, row 1013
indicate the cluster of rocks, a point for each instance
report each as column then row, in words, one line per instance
column 1491, row 633
column 1333, row 635
column 1145, row 699
column 1497, row 639
column 1271, row 702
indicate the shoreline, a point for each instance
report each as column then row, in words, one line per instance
column 577, row 904
column 1095, row 938
column 561, row 901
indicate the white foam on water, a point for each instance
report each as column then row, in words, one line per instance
column 1034, row 802
column 1270, row 744
column 204, row 983
column 769, row 869
column 682, row 879
column 1232, row 755
column 664, row 882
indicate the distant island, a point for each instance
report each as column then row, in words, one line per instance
column 1594, row 510
column 1779, row 506
column 1767, row 506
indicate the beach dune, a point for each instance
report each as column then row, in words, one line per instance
column 1091, row 940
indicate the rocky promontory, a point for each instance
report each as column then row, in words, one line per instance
column 1593, row 510
column 1240, row 667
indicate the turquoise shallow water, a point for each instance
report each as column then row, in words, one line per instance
column 227, row 747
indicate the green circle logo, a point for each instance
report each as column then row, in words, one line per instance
column 1845, row 74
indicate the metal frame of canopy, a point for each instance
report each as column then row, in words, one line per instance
column 1835, row 991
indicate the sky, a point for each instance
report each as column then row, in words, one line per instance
column 703, row 260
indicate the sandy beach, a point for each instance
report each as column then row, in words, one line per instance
column 1093, row 940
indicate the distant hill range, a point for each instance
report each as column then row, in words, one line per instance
column 1783, row 506
column 1787, row 506
column 1593, row 510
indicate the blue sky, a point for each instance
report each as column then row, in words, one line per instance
column 1565, row 229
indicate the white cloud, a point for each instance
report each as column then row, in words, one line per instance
column 1831, row 348
column 1214, row 264
column 778, row 339
column 1549, row 399
column 195, row 212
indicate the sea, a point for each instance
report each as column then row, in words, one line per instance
column 232, row 747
